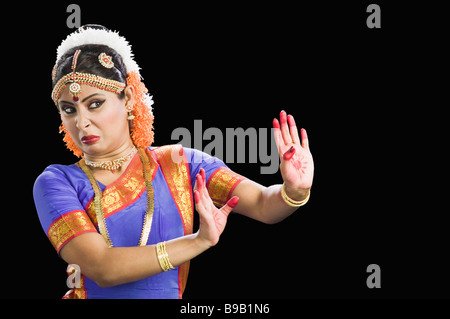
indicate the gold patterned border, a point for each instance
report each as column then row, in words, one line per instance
column 178, row 179
column 67, row 226
column 124, row 192
column 221, row 184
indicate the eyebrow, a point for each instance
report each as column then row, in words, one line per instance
column 86, row 98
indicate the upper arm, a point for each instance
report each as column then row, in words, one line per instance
column 66, row 223
column 220, row 180
column 60, row 212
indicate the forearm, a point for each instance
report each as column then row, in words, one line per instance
column 273, row 208
column 265, row 204
column 118, row 265
column 127, row 264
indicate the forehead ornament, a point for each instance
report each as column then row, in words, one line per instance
column 76, row 79
column 75, row 88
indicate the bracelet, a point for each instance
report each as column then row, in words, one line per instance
column 163, row 257
column 290, row 201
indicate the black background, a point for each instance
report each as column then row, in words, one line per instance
column 361, row 93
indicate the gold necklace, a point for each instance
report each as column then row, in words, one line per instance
column 112, row 165
column 98, row 203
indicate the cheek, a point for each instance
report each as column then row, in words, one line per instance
column 114, row 120
column 71, row 127
column 117, row 115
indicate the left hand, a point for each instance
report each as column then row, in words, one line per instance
column 297, row 166
column 212, row 219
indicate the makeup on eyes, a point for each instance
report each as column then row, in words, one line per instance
column 69, row 108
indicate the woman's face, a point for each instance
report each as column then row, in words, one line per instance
column 97, row 122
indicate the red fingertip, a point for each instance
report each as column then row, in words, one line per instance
column 202, row 173
column 291, row 120
column 276, row 124
column 233, row 202
column 283, row 117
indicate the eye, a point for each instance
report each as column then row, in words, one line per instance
column 68, row 109
column 96, row 104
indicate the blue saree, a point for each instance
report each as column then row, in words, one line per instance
column 63, row 197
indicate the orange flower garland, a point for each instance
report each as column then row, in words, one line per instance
column 142, row 133
column 69, row 142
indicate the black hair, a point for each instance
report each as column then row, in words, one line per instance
column 88, row 61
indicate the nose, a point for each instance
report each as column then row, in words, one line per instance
column 83, row 120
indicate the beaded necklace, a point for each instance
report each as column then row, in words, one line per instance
column 112, row 165
column 98, row 203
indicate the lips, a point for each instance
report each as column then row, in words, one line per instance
column 90, row 139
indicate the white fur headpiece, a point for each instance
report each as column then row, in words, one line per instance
column 88, row 35
column 109, row 38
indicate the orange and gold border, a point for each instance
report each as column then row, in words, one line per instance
column 221, row 184
column 178, row 178
column 124, row 192
column 68, row 226
column 179, row 181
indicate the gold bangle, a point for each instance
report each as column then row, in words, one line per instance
column 290, row 201
column 163, row 257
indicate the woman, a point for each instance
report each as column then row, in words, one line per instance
column 124, row 212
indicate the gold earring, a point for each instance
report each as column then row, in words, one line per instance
column 130, row 115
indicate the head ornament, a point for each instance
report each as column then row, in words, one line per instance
column 105, row 60
column 88, row 35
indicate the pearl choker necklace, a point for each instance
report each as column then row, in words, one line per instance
column 112, row 165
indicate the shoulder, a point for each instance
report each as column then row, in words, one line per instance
column 57, row 171
column 56, row 175
column 178, row 154
column 173, row 152
column 165, row 150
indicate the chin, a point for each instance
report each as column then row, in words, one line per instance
column 92, row 149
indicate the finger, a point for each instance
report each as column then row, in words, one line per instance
column 284, row 128
column 200, row 208
column 277, row 135
column 199, row 200
column 230, row 205
column 202, row 173
column 204, row 197
column 288, row 155
column 293, row 129
column 196, row 197
column 305, row 140
column 199, row 182
column 200, row 189
column 276, row 124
